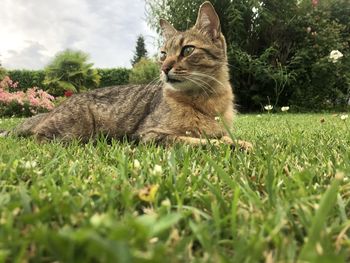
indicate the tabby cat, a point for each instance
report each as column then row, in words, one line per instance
column 193, row 105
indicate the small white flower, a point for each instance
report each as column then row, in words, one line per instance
column 157, row 169
column 137, row 164
column 97, row 219
column 29, row 164
column 335, row 55
column 344, row 117
column 217, row 118
column 154, row 240
column 268, row 107
column 285, row 108
column 188, row 133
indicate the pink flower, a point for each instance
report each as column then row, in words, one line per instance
column 36, row 98
column 315, row 3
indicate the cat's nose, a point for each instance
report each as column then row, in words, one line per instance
column 167, row 66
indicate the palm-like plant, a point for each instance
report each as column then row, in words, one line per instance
column 70, row 71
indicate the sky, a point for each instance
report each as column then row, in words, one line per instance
column 33, row 31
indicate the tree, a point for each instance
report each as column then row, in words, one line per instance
column 140, row 50
column 144, row 72
column 70, row 71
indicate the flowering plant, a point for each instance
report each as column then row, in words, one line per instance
column 19, row 103
column 268, row 107
column 335, row 55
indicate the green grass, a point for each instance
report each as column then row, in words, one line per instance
column 285, row 202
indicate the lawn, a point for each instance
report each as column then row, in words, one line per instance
column 287, row 201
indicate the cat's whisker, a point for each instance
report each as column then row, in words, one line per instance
column 208, row 76
column 207, row 85
column 194, row 82
column 153, row 82
column 202, row 87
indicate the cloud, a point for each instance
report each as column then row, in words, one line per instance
column 37, row 30
column 32, row 56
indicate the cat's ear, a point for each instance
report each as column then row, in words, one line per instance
column 167, row 29
column 208, row 20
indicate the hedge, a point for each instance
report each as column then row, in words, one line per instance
column 27, row 78
column 113, row 76
column 34, row 78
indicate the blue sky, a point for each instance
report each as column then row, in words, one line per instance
column 33, row 31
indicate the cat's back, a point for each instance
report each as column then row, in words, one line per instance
column 122, row 93
column 116, row 111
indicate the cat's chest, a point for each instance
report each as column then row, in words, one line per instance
column 192, row 122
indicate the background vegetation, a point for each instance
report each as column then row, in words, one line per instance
column 140, row 50
column 144, row 72
column 30, row 78
column 70, row 71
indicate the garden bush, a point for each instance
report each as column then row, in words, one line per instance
column 70, row 71
column 113, row 76
column 27, row 78
column 18, row 103
column 3, row 72
column 31, row 78
column 144, row 72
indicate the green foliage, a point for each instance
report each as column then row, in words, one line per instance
column 278, row 50
column 113, row 76
column 144, row 72
column 33, row 78
column 70, row 70
column 27, row 78
column 14, row 109
column 285, row 202
column 140, row 50
column 3, row 72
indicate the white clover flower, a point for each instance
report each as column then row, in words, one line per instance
column 268, row 107
column 97, row 219
column 29, row 164
column 217, row 118
column 285, row 108
column 154, row 240
column 137, row 164
column 344, row 117
column 335, row 55
column 188, row 133
column 157, row 169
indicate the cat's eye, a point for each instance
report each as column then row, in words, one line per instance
column 162, row 56
column 187, row 50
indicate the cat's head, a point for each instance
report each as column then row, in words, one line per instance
column 194, row 59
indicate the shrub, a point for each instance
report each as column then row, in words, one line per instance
column 144, row 72
column 22, row 104
column 70, row 71
column 113, row 76
column 2, row 72
column 27, row 78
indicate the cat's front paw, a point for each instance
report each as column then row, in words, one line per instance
column 245, row 146
column 242, row 145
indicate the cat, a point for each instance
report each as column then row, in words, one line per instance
column 193, row 105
